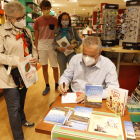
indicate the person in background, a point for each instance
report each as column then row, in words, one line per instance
column 89, row 68
column 15, row 44
column 44, row 27
column 65, row 30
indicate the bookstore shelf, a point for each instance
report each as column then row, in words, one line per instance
column 28, row 10
column 28, row 19
column 31, row 29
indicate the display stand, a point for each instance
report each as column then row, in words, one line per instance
column 131, row 26
column 110, row 12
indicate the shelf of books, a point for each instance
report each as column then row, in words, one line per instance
column 79, row 24
column 32, row 12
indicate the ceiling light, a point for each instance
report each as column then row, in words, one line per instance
column 126, row 0
column 73, row 9
column 53, row 1
column 83, row 9
column 57, row 8
column 54, row 5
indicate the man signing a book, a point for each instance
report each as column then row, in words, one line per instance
column 89, row 68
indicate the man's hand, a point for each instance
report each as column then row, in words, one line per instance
column 33, row 62
column 80, row 98
column 62, row 90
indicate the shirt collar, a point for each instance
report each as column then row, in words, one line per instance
column 98, row 64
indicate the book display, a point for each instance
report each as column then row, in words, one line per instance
column 131, row 25
column 79, row 24
column 93, row 96
column 116, row 100
column 110, row 12
column 99, row 127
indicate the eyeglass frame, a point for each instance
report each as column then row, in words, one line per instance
column 19, row 18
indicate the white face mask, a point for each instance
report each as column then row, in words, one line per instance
column 20, row 24
column 46, row 12
column 88, row 60
column 65, row 23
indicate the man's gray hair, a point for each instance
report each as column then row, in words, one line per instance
column 13, row 7
column 92, row 40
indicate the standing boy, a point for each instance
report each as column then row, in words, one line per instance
column 44, row 27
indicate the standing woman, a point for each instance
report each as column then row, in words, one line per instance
column 15, row 44
column 65, row 29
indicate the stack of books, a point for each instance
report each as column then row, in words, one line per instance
column 117, row 100
column 133, row 108
column 136, row 95
column 136, row 126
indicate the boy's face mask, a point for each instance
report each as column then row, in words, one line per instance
column 46, row 12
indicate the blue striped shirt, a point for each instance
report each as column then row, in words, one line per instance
column 103, row 73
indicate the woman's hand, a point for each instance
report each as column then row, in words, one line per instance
column 61, row 49
column 33, row 62
column 22, row 59
column 70, row 47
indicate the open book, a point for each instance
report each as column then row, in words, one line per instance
column 63, row 42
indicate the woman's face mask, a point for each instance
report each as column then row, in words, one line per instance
column 65, row 23
column 20, row 24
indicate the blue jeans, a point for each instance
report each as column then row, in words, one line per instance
column 15, row 99
column 63, row 60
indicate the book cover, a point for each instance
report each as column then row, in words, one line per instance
column 93, row 96
column 116, row 100
column 74, row 125
column 129, row 131
column 81, row 114
column 57, row 115
column 63, row 42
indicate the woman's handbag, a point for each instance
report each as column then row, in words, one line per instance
column 16, row 77
column 78, row 49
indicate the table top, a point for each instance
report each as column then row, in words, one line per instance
column 46, row 128
column 119, row 49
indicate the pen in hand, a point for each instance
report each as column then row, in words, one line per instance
column 64, row 86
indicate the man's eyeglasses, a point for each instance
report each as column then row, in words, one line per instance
column 19, row 18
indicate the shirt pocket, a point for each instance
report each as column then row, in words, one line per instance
column 51, row 26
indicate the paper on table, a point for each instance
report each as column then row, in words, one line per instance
column 69, row 98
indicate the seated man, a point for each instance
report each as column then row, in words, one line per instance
column 89, row 68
